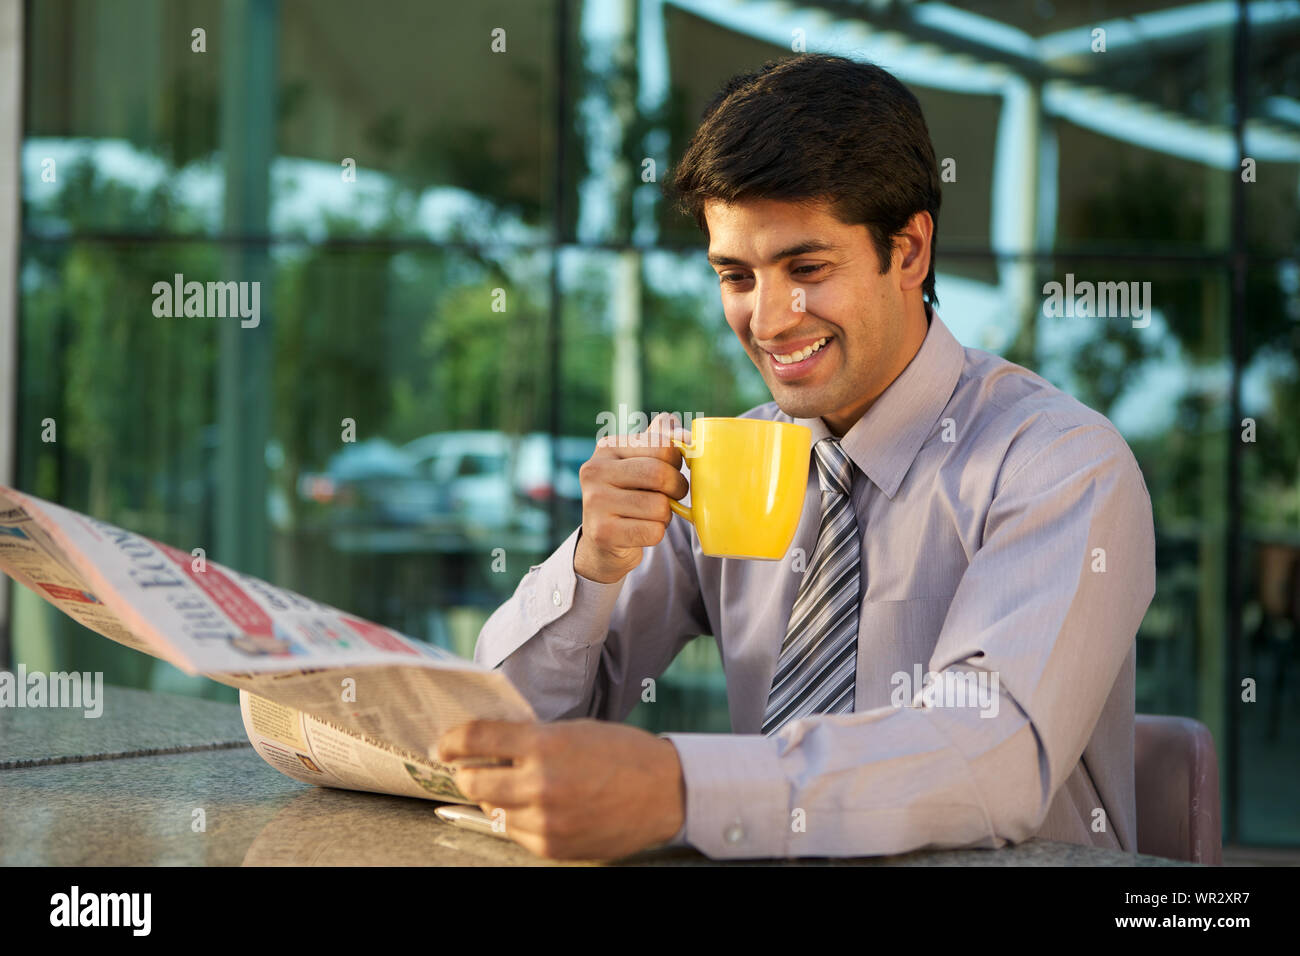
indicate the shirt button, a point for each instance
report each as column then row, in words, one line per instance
column 555, row 598
column 734, row 833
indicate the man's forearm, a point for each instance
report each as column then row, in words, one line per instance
column 877, row 782
column 547, row 637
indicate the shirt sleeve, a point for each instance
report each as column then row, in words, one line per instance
column 578, row 648
column 1043, row 617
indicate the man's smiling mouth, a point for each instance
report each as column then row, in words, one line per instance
column 796, row 364
column 789, row 358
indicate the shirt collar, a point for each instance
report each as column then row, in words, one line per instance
column 884, row 442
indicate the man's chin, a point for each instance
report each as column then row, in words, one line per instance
column 799, row 406
column 802, row 398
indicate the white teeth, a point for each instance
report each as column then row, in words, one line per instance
column 792, row 357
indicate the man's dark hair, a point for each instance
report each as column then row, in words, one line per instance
column 816, row 127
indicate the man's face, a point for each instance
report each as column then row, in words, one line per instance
column 765, row 251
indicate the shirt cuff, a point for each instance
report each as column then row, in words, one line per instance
column 592, row 607
column 737, row 796
column 679, row 838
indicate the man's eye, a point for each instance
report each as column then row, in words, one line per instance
column 731, row 278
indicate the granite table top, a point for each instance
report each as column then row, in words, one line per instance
column 126, row 788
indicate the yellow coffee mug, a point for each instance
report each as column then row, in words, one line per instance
column 748, row 479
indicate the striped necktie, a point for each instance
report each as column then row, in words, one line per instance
column 817, row 669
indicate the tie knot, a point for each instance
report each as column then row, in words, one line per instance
column 834, row 467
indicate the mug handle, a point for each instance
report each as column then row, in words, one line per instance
column 678, row 508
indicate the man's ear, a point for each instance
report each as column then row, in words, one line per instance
column 912, row 251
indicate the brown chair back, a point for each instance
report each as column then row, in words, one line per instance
column 1177, row 781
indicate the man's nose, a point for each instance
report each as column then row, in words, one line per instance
column 774, row 303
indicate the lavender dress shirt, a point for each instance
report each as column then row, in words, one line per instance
column 1008, row 557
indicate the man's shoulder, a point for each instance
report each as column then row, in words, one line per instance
column 1016, row 414
column 1003, row 415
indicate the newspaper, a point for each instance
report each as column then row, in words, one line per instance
column 326, row 697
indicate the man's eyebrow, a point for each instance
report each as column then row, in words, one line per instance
column 802, row 248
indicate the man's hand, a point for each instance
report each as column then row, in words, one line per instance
column 626, row 485
column 578, row 789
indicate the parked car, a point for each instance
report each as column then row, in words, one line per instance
column 374, row 483
column 496, row 482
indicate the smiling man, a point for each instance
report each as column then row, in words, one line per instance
column 967, row 527
column 858, row 333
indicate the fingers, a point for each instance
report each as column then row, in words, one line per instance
column 519, row 803
column 626, row 487
column 504, row 787
column 665, row 427
column 646, row 461
column 616, row 532
column 631, row 483
column 654, row 442
column 525, row 824
column 485, row 738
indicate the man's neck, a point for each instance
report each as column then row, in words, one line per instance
column 911, row 350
